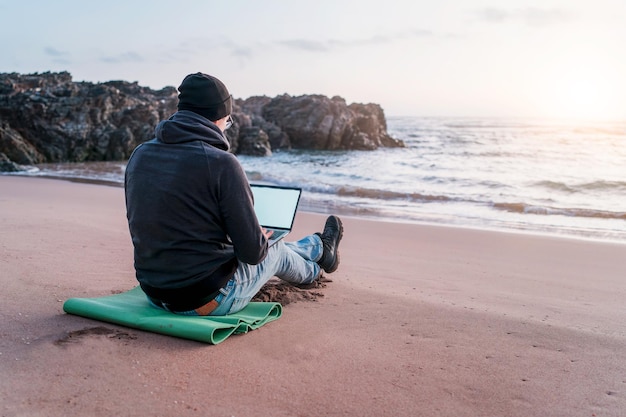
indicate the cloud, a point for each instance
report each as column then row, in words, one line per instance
column 49, row 50
column 248, row 51
column 539, row 17
column 329, row 44
column 306, row 45
column 62, row 61
column 123, row 58
column 58, row 57
column 243, row 52
column 419, row 33
column 494, row 15
column 530, row 16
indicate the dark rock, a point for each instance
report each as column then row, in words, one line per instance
column 13, row 146
column 49, row 118
column 6, row 165
column 319, row 122
column 254, row 141
column 252, row 107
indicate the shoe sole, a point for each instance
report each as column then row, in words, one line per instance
column 335, row 264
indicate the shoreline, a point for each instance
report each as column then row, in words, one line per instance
column 346, row 211
column 418, row 320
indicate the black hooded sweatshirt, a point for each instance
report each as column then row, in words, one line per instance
column 190, row 212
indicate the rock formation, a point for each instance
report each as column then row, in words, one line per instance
column 317, row 122
column 49, row 118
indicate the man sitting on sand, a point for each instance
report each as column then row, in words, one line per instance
column 199, row 249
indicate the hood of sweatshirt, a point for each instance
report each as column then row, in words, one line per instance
column 187, row 126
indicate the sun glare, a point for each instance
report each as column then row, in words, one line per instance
column 583, row 94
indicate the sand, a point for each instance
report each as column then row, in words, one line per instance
column 418, row 321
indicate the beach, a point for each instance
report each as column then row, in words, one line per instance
column 419, row 320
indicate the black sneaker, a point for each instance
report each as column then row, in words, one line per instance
column 333, row 232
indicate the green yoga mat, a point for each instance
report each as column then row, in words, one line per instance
column 131, row 309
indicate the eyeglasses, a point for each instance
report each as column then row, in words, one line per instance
column 229, row 123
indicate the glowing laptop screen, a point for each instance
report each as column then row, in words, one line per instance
column 275, row 207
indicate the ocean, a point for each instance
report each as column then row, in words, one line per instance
column 528, row 176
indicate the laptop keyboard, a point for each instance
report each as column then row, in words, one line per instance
column 277, row 234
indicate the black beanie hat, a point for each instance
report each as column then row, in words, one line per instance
column 205, row 95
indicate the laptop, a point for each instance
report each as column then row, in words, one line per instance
column 275, row 208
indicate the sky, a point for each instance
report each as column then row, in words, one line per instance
column 444, row 58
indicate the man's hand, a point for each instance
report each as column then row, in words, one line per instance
column 267, row 233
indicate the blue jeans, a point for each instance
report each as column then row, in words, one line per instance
column 294, row 262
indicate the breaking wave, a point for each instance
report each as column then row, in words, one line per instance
column 572, row 212
column 388, row 195
column 605, row 186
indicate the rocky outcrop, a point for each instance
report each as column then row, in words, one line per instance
column 6, row 165
column 49, row 118
column 319, row 122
